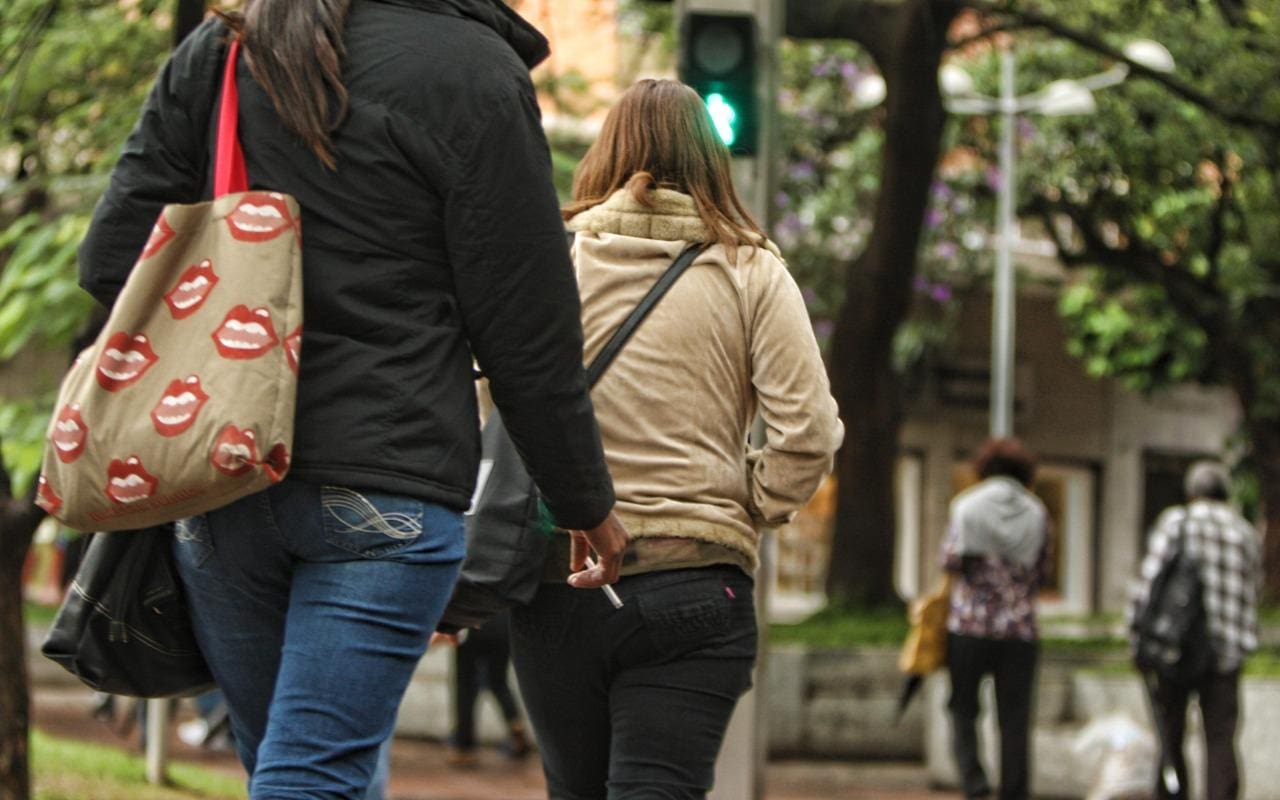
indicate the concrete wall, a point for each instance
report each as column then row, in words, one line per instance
column 840, row 704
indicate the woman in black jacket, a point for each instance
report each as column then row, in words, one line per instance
column 408, row 132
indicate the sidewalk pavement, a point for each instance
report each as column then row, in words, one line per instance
column 419, row 770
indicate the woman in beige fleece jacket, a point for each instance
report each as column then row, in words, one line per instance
column 633, row 702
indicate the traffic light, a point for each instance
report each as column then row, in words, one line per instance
column 718, row 59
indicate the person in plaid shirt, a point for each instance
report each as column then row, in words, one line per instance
column 1226, row 548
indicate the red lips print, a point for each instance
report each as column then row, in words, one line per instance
column 179, row 406
column 124, row 360
column 160, row 236
column 293, row 348
column 47, row 498
column 245, row 333
column 235, row 452
column 128, row 481
column 259, row 217
column 69, row 434
column 186, row 297
column 277, row 463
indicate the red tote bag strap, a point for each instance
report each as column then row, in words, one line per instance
column 229, row 174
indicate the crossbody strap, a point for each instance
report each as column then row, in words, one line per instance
column 229, row 175
column 601, row 362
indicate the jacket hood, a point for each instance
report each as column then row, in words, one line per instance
column 999, row 517
column 526, row 40
column 669, row 216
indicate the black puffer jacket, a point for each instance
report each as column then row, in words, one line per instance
column 437, row 239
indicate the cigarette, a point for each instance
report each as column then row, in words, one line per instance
column 607, row 589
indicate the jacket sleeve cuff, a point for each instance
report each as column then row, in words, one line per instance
column 586, row 511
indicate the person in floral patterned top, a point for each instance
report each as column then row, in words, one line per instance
column 998, row 548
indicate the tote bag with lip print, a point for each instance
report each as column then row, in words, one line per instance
column 185, row 402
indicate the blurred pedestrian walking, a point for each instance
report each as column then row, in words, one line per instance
column 634, row 701
column 408, row 132
column 998, row 547
column 481, row 662
column 1225, row 548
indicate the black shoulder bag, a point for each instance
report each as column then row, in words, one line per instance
column 507, row 527
column 1172, row 632
column 124, row 627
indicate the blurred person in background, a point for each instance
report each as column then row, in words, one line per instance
column 481, row 661
column 1226, row 548
column 999, row 550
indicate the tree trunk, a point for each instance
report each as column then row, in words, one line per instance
column 877, row 300
column 1264, row 436
column 18, row 521
column 187, row 17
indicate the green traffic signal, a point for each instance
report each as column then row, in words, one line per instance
column 723, row 117
column 718, row 59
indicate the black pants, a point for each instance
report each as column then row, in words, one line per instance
column 632, row 703
column 1219, row 698
column 481, row 662
column 1013, row 665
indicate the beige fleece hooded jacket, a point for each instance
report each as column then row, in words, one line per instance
column 676, row 405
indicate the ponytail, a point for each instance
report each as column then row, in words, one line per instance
column 294, row 50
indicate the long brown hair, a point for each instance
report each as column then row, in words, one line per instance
column 294, row 50
column 659, row 136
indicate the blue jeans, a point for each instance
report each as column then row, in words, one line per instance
column 632, row 703
column 313, row 605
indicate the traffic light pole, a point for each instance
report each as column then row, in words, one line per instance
column 740, row 768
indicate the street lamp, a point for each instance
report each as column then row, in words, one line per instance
column 1058, row 98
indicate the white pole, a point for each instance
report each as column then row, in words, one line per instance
column 157, row 742
column 1002, row 309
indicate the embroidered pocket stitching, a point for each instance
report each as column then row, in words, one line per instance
column 364, row 517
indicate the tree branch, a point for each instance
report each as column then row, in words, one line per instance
column 1241, row 118
column 1190, row 296
column 1218, row 223
column 867, row 22
column 1234, row 13
column 28, row 43
column 6, row 483
column 17, row 513
column 1066, row 254
column 987, row 33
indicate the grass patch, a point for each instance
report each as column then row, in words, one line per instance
column 39, row 614
column 839, row 627
column 835, row 627
column 1263, row 664
column 1269, row 615
column 65, row 769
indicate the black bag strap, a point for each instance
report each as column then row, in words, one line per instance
column 1180, row 543
column 601, row 362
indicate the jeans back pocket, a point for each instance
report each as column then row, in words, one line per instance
column 685, row 617
column 192, row 543
column 370, row 524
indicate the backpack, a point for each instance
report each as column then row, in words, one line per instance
column 1172, row 634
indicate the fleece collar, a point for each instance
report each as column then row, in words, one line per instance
column 672, row 217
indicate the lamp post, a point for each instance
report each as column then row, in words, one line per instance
column 1058, row 98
